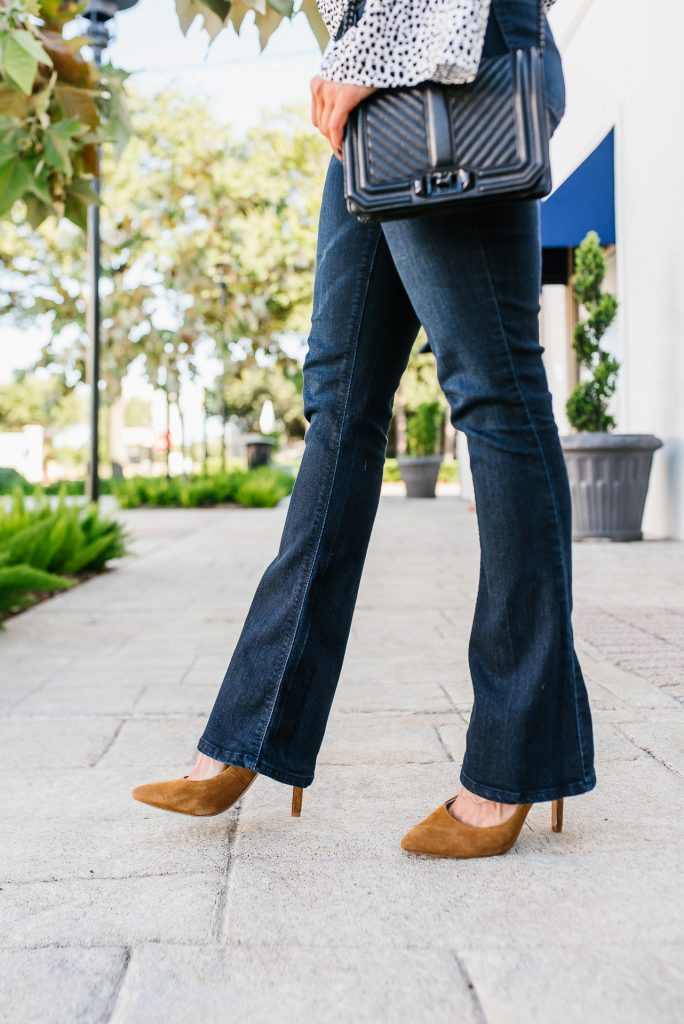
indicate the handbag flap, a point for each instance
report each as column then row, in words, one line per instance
column 433, row 144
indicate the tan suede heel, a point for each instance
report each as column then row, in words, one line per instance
column 205, row 797
column 441, row 835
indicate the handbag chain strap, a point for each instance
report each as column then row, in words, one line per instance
column 348, row 21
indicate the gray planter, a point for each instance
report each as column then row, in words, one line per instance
column 609, row 476
column 419, row 473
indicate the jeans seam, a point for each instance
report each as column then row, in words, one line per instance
column 566, row 601
column 358, row 314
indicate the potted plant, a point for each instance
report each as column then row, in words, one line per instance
column 420, row 467
column 608, row 472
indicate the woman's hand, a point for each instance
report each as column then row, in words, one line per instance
column 331, row 103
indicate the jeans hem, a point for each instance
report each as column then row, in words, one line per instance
column 529, row 796
column 242, row 760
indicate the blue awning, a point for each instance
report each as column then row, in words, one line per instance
column 584, row 202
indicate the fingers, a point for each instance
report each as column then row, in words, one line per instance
column 335, row 121
column 332, row 117
column 316, row 92
column 328, row 117
column 336, row 126
column 331, row 103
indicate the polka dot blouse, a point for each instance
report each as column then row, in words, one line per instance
column 403, row 42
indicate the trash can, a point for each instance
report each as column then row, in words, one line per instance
column 259, row 450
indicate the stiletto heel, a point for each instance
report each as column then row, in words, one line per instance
column 557, row 815
column 206, row 796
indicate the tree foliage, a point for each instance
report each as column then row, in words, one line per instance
column 44, row 400
column 268, row 14
column 424, row 426
column 587, row 406
column 208, row 250
column 246, row 386
column 55, row 108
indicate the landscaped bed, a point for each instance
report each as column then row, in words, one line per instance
column 46, row 548
column 256, row 488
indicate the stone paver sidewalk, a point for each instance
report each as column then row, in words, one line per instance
column 115, row 912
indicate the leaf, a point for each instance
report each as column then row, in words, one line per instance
column 68, row 128
column 20, row 66
column 267, row 24
column 310, row 9
column 78, row 103
column 220, row 8
column 40, row 101
column 57, row 152
column 14, row 181
column 83, row 188
column 90, row 160
column 284, row 7
column 187, row 11
column 68, row 61
column 89, row 555
column 238, row 10
column 18, row 582
column 58, row 12
column 36, row 210
column 79, row 197
column 13, row 103
column 32, row 46
column 213, row 25
column 38, row 184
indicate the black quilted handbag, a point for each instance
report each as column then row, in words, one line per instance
column 434, row 148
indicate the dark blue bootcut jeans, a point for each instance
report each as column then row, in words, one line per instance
column 473, row 281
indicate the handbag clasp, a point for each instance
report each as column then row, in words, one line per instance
column 443, row 181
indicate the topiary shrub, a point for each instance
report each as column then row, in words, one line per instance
column 10, row 479
column 423, row 429
column 587, row 406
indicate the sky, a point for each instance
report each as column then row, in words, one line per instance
column 237, row 81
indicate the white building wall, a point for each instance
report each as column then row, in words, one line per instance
column 553, row 335
column 23, row 451
column 624, row 67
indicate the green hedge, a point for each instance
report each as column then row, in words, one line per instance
column 256, row 488
column 11, row 481
column 43, row 549
column 263, row 488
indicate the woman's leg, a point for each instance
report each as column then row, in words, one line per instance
column 272, row 708
column 474, row 281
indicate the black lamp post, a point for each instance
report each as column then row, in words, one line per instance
column 99, row 13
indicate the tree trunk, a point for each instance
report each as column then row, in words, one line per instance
column 205, row 438
column 184, row 440
column 118, row 455
column 167, row 396
column 400, row 422
column 224, row 443
column 449, row 438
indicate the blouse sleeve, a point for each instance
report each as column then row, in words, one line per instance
column 404, row 42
